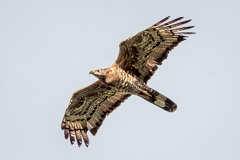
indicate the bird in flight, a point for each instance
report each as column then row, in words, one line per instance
column 138, row 59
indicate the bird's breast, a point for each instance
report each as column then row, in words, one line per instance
column 122, row 81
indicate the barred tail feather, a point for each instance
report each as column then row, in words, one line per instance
column 165, row 104
column 158, row 99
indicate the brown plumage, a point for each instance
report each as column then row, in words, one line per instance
column 136, row 63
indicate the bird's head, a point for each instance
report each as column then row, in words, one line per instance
column 99, row 73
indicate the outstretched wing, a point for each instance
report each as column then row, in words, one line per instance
column 87, row 109
column 139, row 55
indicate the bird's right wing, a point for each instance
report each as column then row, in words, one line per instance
column 87, row 109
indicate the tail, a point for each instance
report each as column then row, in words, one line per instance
column 158, row 99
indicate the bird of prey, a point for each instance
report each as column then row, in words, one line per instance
column 137, row 61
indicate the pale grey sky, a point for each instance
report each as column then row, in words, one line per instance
column 48, row 48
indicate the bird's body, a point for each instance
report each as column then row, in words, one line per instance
column 138, row 58
column 121, row 81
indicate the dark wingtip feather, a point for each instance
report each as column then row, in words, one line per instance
column 165, row 18
column 63, row 126
column 181, row 29
column 85, row 138
column 78, row 137
column 184, row 33
column 170, row 22
column 79, row 143
column 66, row 133
column 72, row 138
column 160, row 22
column 189, row 27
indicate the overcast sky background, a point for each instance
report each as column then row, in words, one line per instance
column 48, row 47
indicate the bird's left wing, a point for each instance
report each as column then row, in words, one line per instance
column 87, row 109
column 140, row 54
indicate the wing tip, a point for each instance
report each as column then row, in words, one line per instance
column 170, row 24
column 74, row 132
column 167, row 17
